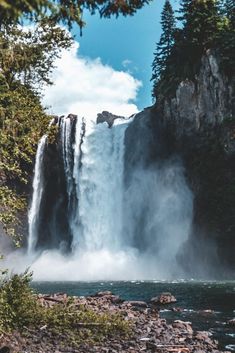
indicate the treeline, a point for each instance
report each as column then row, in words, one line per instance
column 187, row 34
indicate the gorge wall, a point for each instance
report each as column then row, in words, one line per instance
column 154, row 194
column 198, row 124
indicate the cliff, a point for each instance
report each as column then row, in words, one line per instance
column 198, row 125
column 202, row 105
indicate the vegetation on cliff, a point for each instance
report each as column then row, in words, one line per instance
column 26, row 59
column 203, row 25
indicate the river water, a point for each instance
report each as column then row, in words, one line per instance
column 208, row 305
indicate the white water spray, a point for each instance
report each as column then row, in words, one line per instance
column 99, row 183
column 33, row 216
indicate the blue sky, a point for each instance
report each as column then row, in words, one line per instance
column 109, row 67
column 125, row 43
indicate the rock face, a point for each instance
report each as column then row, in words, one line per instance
column 198, row 125
column 55, row 220
column 201, row 104
column 107, row 117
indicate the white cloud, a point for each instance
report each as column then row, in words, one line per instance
column 86, row 87
column 126, row 63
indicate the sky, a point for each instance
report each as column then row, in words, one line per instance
column 109, row 67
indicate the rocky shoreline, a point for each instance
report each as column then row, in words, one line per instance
column 148, row 331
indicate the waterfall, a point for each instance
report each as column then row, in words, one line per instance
column 99, row 183
column 119, row 216
column 34, row 212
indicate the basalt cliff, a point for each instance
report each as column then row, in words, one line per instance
column 197, row 124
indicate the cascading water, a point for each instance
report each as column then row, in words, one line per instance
column 33, row 216
column 99, row 184
column 119, row 221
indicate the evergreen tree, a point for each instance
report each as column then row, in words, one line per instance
column 201, row 20
column 164, row 46
column 230, row 11
column 226, row 40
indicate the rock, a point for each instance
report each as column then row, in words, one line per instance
column 202, row 335
column 231, row 322
column 5, row 349
column 140, row 304
column 164, row 298
column 177, row 310
column 115, row 299
column 201, row 104
column 107, row 117
column 183, row 325
column 103, row 294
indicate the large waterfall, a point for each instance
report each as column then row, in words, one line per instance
column 96, row 214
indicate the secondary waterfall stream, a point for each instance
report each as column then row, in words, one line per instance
column 91, row 218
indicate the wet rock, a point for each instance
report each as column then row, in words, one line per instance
column 115, row 299
column 164, row 298
column 107, row 117
column 177, row 310
column 231, row 322
column 103, row 294
column 183, row 325
column 139, row 304
column 5, row 349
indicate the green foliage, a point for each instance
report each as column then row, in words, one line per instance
column 165, row 44
column 66, row 11
column 20, row 310
column 26, row 60
column 27, row 55
column 11, row 204
column 205, row 24
column 52, row 133
column 18, row 306
column 22, row 122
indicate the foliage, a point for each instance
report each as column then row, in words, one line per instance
column 66, row 11
column 26, row 60
column 20, row 310
column 11, row 204
column 204, row 24
column 27, row 55
column 165, row 44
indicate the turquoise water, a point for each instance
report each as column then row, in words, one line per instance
column 193, row 297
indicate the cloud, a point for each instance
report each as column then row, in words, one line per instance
column 126, row 63
column 84, row 86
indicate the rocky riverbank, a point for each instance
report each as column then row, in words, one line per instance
column 145, row 330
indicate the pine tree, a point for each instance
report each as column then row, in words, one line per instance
column 226, row 39
column 201, row 20
column 230, row 11
column 164, row 46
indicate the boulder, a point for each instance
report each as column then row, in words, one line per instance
column 5, row 349
column 164, row 298
column 106, row 293
column 138, row 303
column 183, row 326
column 231, row 322
column 107, row 117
